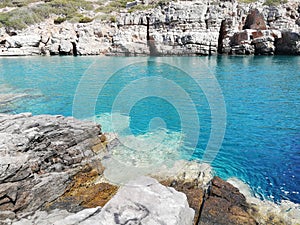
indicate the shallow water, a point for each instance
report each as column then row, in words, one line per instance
column 173, row 107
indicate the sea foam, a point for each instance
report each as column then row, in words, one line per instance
column 266, row 211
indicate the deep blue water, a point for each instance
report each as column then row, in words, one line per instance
column 261, row 94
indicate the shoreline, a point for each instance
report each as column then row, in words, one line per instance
column 66, row 183
column 193, row 28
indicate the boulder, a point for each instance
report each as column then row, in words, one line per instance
column 298, row 21
column 289, row 43
column 255, row 20
column 241, row 37
column 194, row 194
column 54, row 49
column 24, row 40
column 243, row 49
column 145, row 201
column 263, row 47
column 65, row 47
column 225, row 205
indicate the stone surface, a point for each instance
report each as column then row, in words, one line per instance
column 57, row 217
column 255, row 21
column 231, row 206
column 145, row 201
column 289, row 43
column 84, row 191
column 39, row 155
column 142, row 201
column 267, row 212
column 194, row 194
column 51, row 172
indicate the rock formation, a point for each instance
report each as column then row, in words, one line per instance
column 145, row 201
column 51, row 173
column 232, row 206
column 39, row 155
column 177, row 28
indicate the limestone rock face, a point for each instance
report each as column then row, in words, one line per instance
column 144, row 201
column 24, row 41
column 65, row 47
column 174, row 28
column 38, row 155
column 289, row 43
column 255, row 20
column 57, row 217
column 194, row 193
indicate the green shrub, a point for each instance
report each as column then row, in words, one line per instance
column 112, row 6
column 113, row 19
column 108, row 18
column 274, row 2
column 139, row 8
column 85, row 19
column 247, row 1
column 59, row 20
column 22, row 17
column 15, row 3
column 19, row 18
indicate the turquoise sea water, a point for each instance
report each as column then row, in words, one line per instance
column 151, row 96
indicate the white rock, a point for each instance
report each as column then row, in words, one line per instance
column 78, row 217
column 25, row 40
column 65, row 47
column 144, row 201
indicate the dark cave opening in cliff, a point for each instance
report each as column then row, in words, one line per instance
column 75, row 53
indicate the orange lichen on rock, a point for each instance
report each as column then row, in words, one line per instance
column 85, row 192
column 84, row 189
column 100, row 144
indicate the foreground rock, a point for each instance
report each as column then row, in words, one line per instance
column 267, row 212
column 232, row 206
column 51, row 173
column 142, row 201
column 145, row 201
column 39, row 155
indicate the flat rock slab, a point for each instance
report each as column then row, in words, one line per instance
column 144, row 201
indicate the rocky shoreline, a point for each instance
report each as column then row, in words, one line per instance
column 51, row 173
column 192, row 28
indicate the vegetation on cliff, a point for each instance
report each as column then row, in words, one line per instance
column 18, row 14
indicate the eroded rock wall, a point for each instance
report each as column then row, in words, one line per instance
column 177, row 28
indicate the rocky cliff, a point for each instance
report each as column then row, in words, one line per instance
column 51, row 173
column 205, row 27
